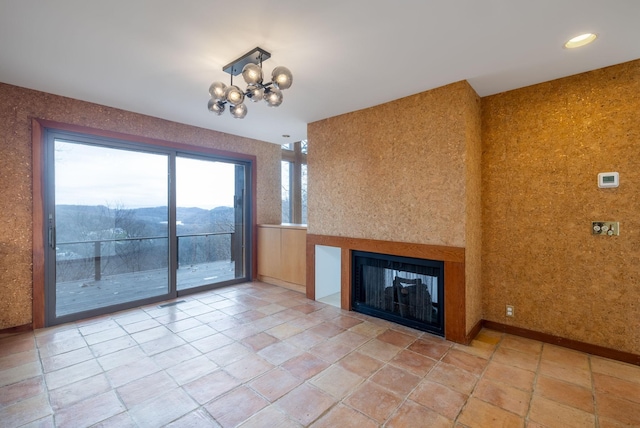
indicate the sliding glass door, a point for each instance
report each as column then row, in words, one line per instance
column 128, row 224
column 209, row 221
column 109, row 228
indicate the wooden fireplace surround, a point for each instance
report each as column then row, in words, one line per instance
column 454, row 274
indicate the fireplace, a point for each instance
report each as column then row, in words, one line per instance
column 408, row 291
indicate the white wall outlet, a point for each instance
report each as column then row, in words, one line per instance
column 510, row 311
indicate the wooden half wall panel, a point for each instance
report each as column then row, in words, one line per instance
column 293, row 267
column 455, row 320
column 269, row 243
column 281, row 259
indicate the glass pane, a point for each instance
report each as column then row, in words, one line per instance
column 303, row 189
column 209, row 226
column 286, row 191
column 303, row 146
column 111, row 219
column 405, row 290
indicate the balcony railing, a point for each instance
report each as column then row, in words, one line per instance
column 234, row 249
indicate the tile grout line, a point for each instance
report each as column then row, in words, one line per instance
column 44, row 378
column 535, row 383
column 466, row 403
column 77, row 325
column 422, row 379
column 593, row 392
column 247, row 382
column 404, row 400
column 350, row 393
column 341, row 401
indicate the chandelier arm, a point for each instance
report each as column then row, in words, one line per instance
column 259, row 86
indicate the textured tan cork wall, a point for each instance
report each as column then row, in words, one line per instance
column 18, row 106
column 394, row 172
column 543, row 147
column 403, row 171
column 473, row 210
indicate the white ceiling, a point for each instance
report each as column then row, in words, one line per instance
column 158, row 57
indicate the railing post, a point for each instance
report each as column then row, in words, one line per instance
column 96, row 259
column 232, row 246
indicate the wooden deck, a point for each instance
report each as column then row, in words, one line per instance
column 77, row 296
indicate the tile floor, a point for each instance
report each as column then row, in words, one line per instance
column 255, row 355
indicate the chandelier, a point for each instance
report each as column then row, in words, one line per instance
column 250, row 65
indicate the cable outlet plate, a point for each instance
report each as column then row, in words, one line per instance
column 606, row 228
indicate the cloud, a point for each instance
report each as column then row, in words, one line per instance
column 95, row 175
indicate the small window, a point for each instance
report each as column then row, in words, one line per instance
column 294, row 182
column 286, row 191
column 303, row 189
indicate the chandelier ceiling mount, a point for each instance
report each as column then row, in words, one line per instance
column 250, row 66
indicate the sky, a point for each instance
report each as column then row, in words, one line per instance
column 93, row 175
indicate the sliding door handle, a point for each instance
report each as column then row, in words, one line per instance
column 52, row 233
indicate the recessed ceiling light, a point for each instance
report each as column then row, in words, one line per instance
column 581, row 40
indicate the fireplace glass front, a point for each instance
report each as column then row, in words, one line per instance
column 404, row 290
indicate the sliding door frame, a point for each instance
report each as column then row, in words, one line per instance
column 39, row 131
column 51, row 135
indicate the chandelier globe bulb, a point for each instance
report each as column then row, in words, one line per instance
column 218, row 91
column 282, row 77
column 238, row 111
column 273, row 97
column 252, row 74
column 234, row 95
column 255, row 93
column 216, row 107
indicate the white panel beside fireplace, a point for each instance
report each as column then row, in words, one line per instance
column 328, row 268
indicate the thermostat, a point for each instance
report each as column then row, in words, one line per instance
column 608, row 179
